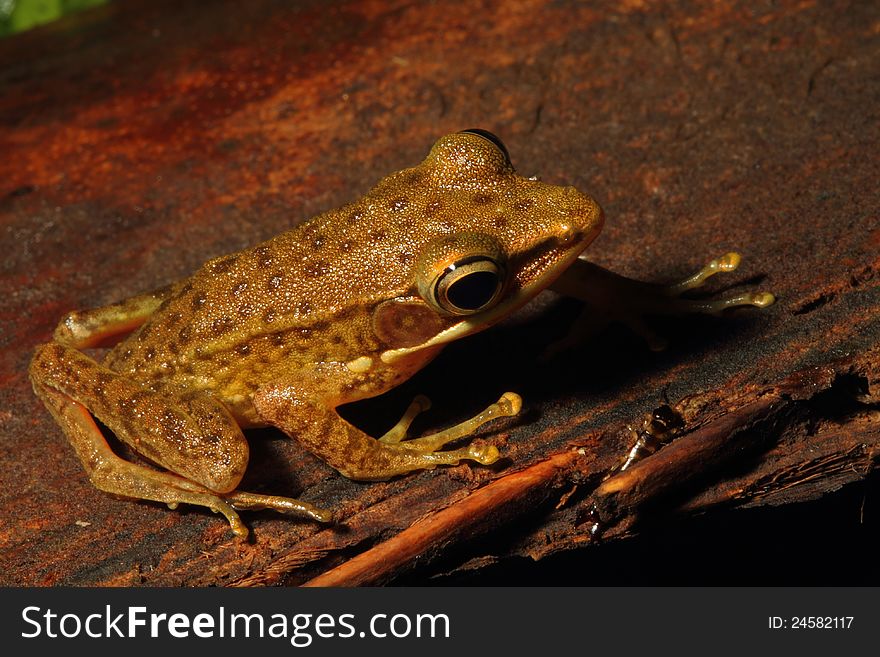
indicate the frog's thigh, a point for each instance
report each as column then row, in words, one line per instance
column 352, row 452
column 195, row 438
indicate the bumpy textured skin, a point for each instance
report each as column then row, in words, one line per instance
column 308, row 296
column 338, row 309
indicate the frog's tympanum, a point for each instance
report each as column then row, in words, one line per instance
column 345, row 306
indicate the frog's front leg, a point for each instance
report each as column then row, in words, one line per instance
column 612, row 297
column 192, row 435
column 314, row 422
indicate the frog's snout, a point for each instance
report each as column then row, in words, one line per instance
column 586, row 217
column 582, row 222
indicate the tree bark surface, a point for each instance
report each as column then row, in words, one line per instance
column 140, row 139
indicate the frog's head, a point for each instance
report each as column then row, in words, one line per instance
column 490, row 241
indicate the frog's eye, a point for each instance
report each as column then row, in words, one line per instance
column 468, row 286
column 488, row 136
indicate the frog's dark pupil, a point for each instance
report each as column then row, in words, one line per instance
column 473, row 291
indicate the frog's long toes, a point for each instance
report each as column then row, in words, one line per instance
column 717, row 306
column 726, row 263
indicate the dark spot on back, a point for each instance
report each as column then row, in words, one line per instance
column 348, row 245
column 264, row 257
column 198, row 301
column 414, row 178
column 185, row 334
column 500, row 222
column 243, row 349
column 378, row 235
column 355, row 217
column 275, row 282
column 168, row 422
column 433, row 208
column 524, row 204
column 483, row 199
column 317, row 268
column 150, row 353
column 173, row 318
column 221, row 326
column 404, row 257
column 224, row 265
column 239, row 287
column 269, row 315
column 303, row 308
column 318, row 242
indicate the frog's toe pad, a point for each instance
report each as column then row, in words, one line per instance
column 763, row 299
column 510, row 404
column 727, row 262
column 484, row 454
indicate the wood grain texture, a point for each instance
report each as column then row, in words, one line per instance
column 140, row 139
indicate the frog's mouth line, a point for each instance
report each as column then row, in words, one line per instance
column 482, row 321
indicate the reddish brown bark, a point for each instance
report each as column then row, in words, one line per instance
column 143, row 138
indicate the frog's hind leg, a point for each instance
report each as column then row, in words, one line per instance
column 611, row 297
column 195, row 438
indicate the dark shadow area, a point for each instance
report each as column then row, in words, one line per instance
column 833, row 541
column 473, row 372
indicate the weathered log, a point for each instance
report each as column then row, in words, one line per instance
column 142, row 138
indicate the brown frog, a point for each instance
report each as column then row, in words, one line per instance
column 341, row 308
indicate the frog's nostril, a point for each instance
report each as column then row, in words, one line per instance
column 567, row 234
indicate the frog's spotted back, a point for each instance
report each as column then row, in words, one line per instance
column 309, row 294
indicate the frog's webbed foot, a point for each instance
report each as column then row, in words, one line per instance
column 614, row 298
